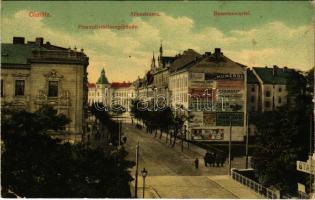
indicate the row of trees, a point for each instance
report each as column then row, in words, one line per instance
column 106, row 122
column 284, row 137
column 163, row 119
column 35, row 165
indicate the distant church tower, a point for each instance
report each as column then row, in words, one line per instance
column 153, row 66
column 161, row 50
column 160, row 59
column 102, row 89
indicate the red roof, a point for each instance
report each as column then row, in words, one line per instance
column 120, row 85
column 91, row 85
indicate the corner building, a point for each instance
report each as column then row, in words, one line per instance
column 210, row 88
column 35, row 73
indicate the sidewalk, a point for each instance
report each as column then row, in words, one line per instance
column 234, row 187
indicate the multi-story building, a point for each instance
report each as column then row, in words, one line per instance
column 253, row 96
column 160, row 76
column 108, row 95
column 267, row 89
column 34, row 74
column 99, row 91
column 212, row 89
column 273, row 90
column 144, row 89
column 122, row 94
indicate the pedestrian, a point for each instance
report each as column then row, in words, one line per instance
column 205, row 160
column 217, row 160
column 124, row 139
column 213, row 155
column 223, row 157
column 208, row 158
column 196, row 163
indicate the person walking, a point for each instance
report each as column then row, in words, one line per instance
column 205, row 160
column 196, row 163
column 213, row 156
column 222, row 160
column 217, row 159
column 125, row 139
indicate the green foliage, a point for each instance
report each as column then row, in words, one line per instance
column 283, row 139
column 104, row 117
column 35, row 165
column 46, row 118
column 310, row 81
column 284, row 136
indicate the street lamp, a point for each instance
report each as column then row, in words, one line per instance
column 230, row 146
column 144, row 174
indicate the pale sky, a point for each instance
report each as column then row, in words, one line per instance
column 275, row 33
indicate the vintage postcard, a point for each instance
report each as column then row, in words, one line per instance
column 157, row 99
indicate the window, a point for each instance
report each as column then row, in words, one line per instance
column 19, row 87
column 279, row 100
column 280, row 89
column 53, row 88
column 253, row 89
column 267, row 104
column 268, row 94
column 1, row 88
column 252, row 99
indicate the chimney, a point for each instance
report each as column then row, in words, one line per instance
column 18, row 40
column 39, row 41
column 217, row 51
column 274, row 70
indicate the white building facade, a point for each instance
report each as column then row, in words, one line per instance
column 212, row 90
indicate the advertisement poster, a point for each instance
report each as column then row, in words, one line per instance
column 208, row 134
column 197, row 76
column 209, row 119
column 197, row 119
column 235, row 118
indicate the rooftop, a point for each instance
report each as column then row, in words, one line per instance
column 251, row 78
column 191, row 58
column 274, row 75
column 91, row 85
column 120, row 85
column 184, row 59
column 20, row 53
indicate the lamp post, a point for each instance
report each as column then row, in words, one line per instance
column 230, row 147
column 144, row 174
column 137, row 167
column 247, row 134
column 119, row 134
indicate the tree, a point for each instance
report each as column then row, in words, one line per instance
column 35, row 165
column 274, row 160
column 105, row 119
column 284, row 138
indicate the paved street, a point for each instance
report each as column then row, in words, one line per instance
column 171, row 173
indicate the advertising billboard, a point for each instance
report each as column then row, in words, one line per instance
column 209, row 119
column 224, row 118
column 197, row 119
column 197, row 76
column 208, row 134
